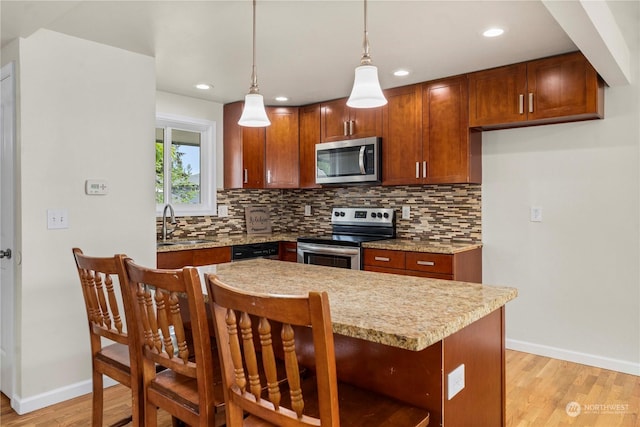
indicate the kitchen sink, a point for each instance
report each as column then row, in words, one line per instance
column 181, row 242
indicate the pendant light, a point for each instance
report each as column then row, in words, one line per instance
column 366, row 92
column 253, row 113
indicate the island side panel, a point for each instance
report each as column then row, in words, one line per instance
column 411, row 376
column 480, row 347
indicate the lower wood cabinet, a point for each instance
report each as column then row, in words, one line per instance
column 462, row 266
column 194, row 257
column 288, row 251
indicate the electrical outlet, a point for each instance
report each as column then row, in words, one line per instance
column 535, row 214
column 406, row 212
column 307, row 210
column 223, row 211
column 455, row 381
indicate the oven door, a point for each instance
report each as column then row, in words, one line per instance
column 329, row 255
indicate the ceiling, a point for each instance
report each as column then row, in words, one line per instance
column 306, row 50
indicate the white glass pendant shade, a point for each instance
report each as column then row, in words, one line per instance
column 366, row 92
column 253, row 114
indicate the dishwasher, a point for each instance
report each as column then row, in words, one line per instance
column 255, row 250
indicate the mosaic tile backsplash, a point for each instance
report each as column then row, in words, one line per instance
column 438, row 212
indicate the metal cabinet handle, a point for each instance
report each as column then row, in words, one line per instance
column 424, row 169
column 246, row 176
column 382, row 258
column 417, row 170
column 269, row 176
column 291, row 250
column 351, row 126
column 521, row 103
column 344, row 128
column 429, row 263
column 531, row 102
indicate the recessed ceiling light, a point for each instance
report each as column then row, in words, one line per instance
column 281, row 98
column 204, row 86
column 493, row 32
column 401, row 73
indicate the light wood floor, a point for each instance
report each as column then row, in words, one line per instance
column 538, row 391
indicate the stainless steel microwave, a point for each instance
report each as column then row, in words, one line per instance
column 348, row 162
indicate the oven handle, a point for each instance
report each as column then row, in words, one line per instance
column 327, row 250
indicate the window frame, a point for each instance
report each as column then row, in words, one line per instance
column 207, row 130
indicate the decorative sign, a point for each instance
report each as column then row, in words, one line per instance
column 258, row 219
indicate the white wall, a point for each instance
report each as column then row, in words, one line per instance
column 577, row 271
column 169, row 103
column 86, row 111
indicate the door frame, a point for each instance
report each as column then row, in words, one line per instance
column 7, row 230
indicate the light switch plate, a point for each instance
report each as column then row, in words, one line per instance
column 57, row 218
column 307, row 210
column 455, row 381
column 223, row 211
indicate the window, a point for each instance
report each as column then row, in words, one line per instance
column 185, row 165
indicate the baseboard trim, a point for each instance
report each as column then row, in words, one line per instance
column 39, row 401
column 575, row 356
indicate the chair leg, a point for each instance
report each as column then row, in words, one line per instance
column 96, row 415
column 150, row 415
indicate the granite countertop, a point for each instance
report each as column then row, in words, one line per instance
column 422, row 246
column 243, row 239
column 225, row 240
column 369, row 305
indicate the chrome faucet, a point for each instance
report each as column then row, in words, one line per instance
column 166, row 231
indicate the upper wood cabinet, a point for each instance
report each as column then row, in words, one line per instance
column 281, row 148
column 402, row 149
column 550, row 90
column 261, row 157
column 426, row 137
column 339, row 122
column 454, row 152
column 309, row 137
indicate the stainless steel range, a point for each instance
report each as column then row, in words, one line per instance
column 350, row 228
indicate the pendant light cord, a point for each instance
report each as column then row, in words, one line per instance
column 366, row 59
column 254, row 75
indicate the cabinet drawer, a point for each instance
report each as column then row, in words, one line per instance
column 211, row 256
column 384, row 258
column 432, row 263
column 288, row 251
column 174, row 259
column 385, row 270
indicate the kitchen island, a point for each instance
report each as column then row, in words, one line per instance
column 403, row 336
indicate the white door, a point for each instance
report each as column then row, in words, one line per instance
column 7, row 231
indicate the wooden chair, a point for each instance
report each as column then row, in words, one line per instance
column 104, row 313
column 309, row 401
column 190, row 388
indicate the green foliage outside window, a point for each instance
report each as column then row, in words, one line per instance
column 183, row 191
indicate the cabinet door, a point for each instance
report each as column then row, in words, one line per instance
column 281, row 148
column 364, row 122
column 402, row 137
column 334, row 116
column 309, row 137
column 211, row 256
column 452, row 154
column 496, row 96
column 563, row 86
column 253, row 157
column 232, row 143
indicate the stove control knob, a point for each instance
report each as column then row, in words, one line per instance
column 373, row 214
column 386, row 215
column 341, row 213
column 379, row 215
column 336, row 213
